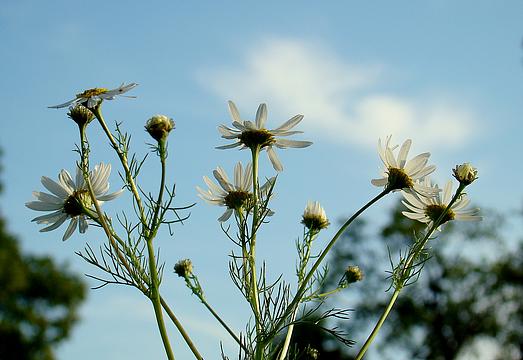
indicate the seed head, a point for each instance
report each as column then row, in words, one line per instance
column 183, row 268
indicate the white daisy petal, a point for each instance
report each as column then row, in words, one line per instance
column 404, row 151
column 56, row 225
column 70, row 229
column 289, row 124
column 226, row 215
column 285, row 143
column 235, row 114
column 43, row 206
column 54, row 187
column 261, row 116
column 276, row 163
column 66, row 193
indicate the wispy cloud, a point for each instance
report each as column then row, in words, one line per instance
column 341, row 101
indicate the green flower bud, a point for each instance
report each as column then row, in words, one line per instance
column 183, row 268
column 159, row 127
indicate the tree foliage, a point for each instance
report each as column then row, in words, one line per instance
column 39, row 300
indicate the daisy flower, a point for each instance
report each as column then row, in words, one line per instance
column 399, row 173
column 70, row 198
column 428, row 210
column 254, row 135
column 233, row 196
column 314, row 217
column 93, row 97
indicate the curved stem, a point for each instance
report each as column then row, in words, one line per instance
column 405, row 274
column 378, row 325
column 301, row 290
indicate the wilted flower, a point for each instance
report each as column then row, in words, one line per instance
column 465, row 173
column 255, row 135
column 183, row 268
column 93, row 97
column 233, row 196
column 400, row 173
column 314, row 217
column 70, row 198
column 159, row 126
column 429, row 209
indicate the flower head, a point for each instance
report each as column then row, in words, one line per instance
column 159, row 127
column 314, row 217
column 93, row 97
column 465, row 173
column 183, row 268
column 70, row 199
column 254, row 135
column 353, row 274
column 429, row 209
column 235, row 196
column 80, row 115
column 398, row 172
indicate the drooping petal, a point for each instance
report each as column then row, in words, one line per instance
column 70, row 229
column 276, row 163
column 65, row 104
column 83, row 225
column 226, row 215
column 49, row 218
column 56, row 225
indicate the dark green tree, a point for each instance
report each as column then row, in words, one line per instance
column 38, row 302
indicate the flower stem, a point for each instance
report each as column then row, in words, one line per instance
column 407, row 268
column 255, row 301
column 153, row 293
column 301, row 290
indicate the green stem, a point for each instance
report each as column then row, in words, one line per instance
column 301, row 290
column 406, row 272
column 223, row 323
column 155, row 299
column 255, row 301
column 378, row 324
column 153, row 293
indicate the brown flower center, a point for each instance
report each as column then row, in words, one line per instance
column 75, row 203
column 255, row 138
column 433, row 212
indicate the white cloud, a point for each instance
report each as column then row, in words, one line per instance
column 341, row 101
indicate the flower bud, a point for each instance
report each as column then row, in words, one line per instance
column 80, row 115
column 159, row 127
column 183, row 268
column 314, row 217
column 465, row 173
column 353, row 274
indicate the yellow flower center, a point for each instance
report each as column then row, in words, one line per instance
column 254, row 138
column 91, row 92
column 433, row 212
column 75, row 203
column 315, row 222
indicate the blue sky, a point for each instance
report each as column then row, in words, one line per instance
column 446, row 74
